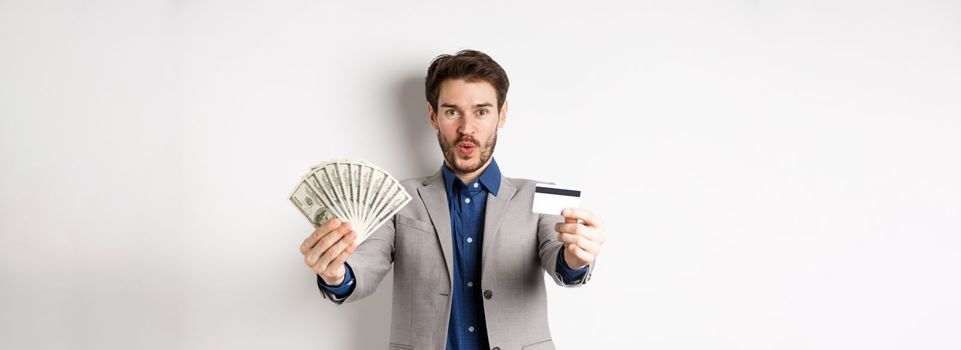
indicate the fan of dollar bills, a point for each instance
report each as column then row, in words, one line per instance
column 351, row 190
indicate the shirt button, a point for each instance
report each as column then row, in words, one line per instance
column 467, row 200
column 470, row 329
column 470, row 283
column 488, row 294
column 469, row 240
column 475, row 185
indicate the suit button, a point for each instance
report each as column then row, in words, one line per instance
column 488, row 294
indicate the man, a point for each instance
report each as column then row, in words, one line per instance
column 467, row 251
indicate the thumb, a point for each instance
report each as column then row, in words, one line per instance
column 568, row 215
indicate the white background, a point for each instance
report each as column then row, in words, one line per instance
column 775, row 174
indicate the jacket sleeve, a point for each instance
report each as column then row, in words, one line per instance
column 548, row 247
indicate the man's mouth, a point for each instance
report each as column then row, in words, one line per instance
column 466, row 148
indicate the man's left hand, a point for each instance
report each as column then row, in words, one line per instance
column 583, row 234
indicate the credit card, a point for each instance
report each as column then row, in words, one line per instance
column 551, row 199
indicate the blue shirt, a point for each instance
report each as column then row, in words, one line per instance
column 467, row 328
column 468, row 202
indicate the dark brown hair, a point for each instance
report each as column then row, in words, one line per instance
column 470, row 65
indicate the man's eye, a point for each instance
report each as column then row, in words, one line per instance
column 482, row 112
column 451, row 112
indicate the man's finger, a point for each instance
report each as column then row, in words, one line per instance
column 581, row 254
column 327, row 241
column 589, row 246
column 334, row 251
column 578, row 229
column 341, row 259
column 319, row 233
column 568, row 238
column 311, row 240
column 581, row 214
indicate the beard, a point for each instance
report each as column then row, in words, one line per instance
column 484, row 152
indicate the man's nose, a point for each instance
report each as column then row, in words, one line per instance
column 467, row 126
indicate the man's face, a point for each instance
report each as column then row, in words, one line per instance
column 466, row 121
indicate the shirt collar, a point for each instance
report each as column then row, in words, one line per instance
column 490, row 178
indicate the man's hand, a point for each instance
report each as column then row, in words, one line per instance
column 326, row 250
column 583, row 240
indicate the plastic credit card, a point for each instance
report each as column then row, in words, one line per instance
column 552, row 199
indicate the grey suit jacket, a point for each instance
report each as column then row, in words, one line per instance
column 518, row 244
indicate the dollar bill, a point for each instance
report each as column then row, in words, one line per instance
column 354, row 191
column 309, row 204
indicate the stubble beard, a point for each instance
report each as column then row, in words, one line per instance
column 485, row 152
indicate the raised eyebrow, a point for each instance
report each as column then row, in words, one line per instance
column 476, row 106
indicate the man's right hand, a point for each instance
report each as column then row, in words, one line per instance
column 326, row 250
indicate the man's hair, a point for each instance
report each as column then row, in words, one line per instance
column 470, row 65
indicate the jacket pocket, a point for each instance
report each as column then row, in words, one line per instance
column 541, row 345
column 415, row 224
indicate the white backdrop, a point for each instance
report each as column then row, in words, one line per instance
column 775, row 174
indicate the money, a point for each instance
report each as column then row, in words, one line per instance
column 353, row 191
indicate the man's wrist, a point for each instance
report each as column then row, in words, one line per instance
column 567, row 258
column 343, row 289
column 339, row 282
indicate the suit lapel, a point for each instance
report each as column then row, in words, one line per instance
column 434, row 196
column 492, row 216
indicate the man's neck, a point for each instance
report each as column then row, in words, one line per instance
column 470, row 177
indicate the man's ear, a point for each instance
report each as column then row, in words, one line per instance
column 502, row 117
column 432, row 115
